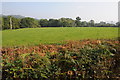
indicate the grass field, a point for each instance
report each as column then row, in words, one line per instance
column 35, row 36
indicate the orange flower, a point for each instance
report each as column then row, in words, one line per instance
column 98, row 41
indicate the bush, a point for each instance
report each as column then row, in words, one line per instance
column 75, row 60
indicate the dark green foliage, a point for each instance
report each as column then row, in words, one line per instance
column 10, row 22
column 77, row 21
column 67, row 22
column 5, row 23
column 54, row 23
column 28, row 23
column 43, row 22
column 15, row 23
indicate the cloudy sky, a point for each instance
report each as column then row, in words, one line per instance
column 98, row 10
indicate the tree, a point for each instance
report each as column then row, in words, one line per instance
column 84, row 24
column 43, row 22
column 78, row 18
column 67, row 22
column 10, row 18
column 5, row 22
column 15, row 23
column 77, row 21
column 29, row 23
column 54, row 23
column 63, row 22
column 9, row 22
column 91, row 23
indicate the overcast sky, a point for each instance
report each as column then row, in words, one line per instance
column 98, row 11
column 60, row 0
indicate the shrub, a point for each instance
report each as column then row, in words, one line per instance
column 74, row 60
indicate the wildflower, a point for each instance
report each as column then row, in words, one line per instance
column 98, row 41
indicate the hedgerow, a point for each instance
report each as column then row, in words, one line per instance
column 96, row 59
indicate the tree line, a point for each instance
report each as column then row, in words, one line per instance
column 10, row 22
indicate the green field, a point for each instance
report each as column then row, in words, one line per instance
column 35, row 36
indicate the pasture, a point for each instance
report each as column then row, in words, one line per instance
column 36, row 36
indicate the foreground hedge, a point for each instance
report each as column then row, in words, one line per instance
column 74, row 60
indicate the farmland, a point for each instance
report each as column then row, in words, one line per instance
column 85, row 52
column 36, row 36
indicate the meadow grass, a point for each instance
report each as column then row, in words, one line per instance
column 35, row 36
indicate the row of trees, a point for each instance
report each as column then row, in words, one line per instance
column 9, row 22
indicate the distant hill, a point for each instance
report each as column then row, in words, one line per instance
column 16, row 16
